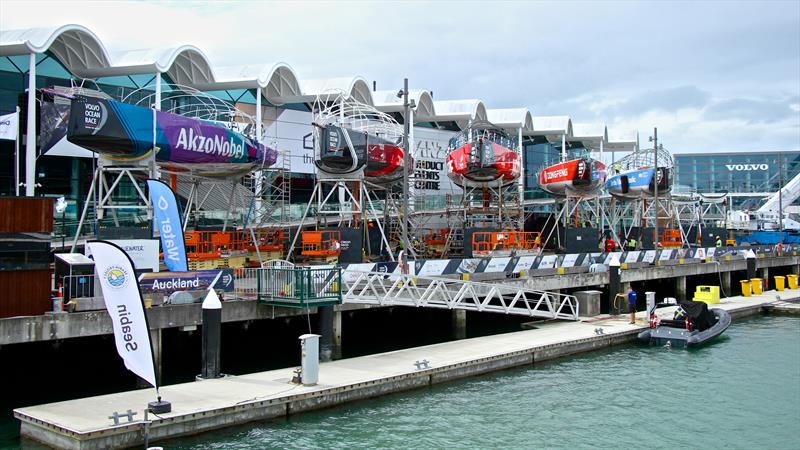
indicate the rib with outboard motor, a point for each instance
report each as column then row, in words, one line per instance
column 692, row 324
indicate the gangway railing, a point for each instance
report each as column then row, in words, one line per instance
column 378, row 288
column 298, row 286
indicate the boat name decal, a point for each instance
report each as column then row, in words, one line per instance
column 558, row 173
column 188, row 140
column 748, row 167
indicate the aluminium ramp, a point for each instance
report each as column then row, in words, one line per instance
column 787, row 194
column 378, row 288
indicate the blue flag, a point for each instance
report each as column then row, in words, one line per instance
column 170, row 226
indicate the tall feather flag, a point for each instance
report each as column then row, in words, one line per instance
column 123, row 299
column 170, row 226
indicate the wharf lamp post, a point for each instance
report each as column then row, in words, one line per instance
column 408, row 122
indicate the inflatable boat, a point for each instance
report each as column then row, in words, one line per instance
column 693, row 324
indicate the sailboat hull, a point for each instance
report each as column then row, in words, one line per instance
column 582, row 176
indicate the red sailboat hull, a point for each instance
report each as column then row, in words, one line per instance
column 493, row 164
column 583, row 176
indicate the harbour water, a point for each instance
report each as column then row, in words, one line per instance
column 742, row 391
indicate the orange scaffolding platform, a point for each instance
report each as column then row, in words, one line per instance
column 494, row 243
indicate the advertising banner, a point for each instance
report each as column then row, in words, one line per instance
column 200, row 280
column 143, row 252
column 430, row 152
column 170, row 225
column 288, row 129
column 124, row 303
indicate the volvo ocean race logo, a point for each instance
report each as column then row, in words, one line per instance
column 746, row 167
column 94, row 116
column 116, row 277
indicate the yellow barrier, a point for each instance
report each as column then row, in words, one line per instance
column 792, row 279
column 779, row 282
column 746, row 288
column 707, row 294
column 757, row 285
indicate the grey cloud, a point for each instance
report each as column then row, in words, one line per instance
column 753, row 110
column 671, row 99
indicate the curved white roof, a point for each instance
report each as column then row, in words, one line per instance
column 511, row 118
column 186, row 65
column 388, row 101
column 74, row 45
column 356, row 87
column 84, row 55
column 459, row 111
column 622, row 141
column 278, row 80
column 590, row 134
column 552, row 127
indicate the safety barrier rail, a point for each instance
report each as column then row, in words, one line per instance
column 77, row 286
column 300, row 286
column 383, row 289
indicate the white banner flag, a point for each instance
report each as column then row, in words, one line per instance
column 124, row 303
column 8, row 126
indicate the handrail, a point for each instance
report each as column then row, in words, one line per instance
column 436, row 292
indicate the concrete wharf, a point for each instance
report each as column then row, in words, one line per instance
column 213, row 404
column 49, row 327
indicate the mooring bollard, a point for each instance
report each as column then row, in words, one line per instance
column 751, row 264
column 613, row 284
column 212, row 324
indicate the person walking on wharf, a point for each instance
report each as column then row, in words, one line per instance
column 632, row 304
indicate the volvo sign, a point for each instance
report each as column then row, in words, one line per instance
column 746, row 167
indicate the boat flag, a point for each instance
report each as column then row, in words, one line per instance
column 170, row 226
column 8, row 126
column 114, row 269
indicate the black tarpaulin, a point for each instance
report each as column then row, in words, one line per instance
column 702, row 318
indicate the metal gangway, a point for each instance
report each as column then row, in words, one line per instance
column 786, row 195
column 380, row 288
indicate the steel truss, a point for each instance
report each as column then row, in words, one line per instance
column 625, row 215
column 575, row 211
column 105, row 191
column 356, row 196
column 383, row 289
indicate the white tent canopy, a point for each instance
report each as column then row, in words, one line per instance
column 82, row 53
column 590, row 135
column 355, row 87
column 277, row 80
column 622, row 141
column 459, row 111
column 387, row 101
column 511, row 119
column 78, row 49
column 552, row 127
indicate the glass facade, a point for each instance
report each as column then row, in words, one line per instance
column 737, row 173
column 538, row 154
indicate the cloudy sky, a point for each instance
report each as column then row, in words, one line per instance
column 712, row 76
